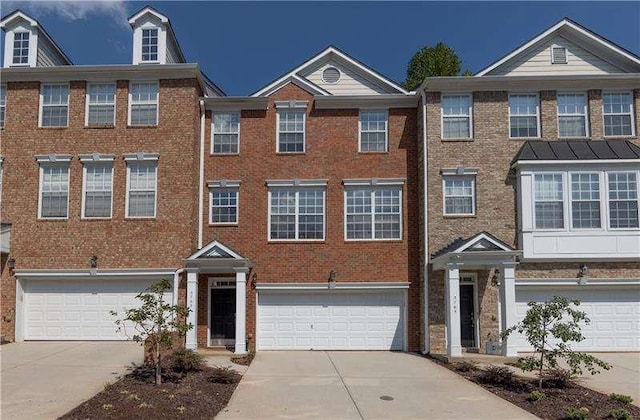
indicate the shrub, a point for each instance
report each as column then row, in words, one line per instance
column 496, row 375
column 624, row 399
column 536, row 396
column 577, row 413
column 620, row 414
column 465, row 366
column 558, row 378
column 186, row 360
column 224, row 375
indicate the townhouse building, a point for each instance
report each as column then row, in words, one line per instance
column 331, row 209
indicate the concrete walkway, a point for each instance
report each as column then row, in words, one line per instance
column 44, row 380
column 359, row 385
column 622, row 378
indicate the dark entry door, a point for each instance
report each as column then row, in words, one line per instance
column 223, row 315
column 467, row 319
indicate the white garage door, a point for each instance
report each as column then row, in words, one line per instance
column 614, row 315
column 331, row 320
column 77, row 309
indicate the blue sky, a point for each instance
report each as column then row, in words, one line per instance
column 242, row 46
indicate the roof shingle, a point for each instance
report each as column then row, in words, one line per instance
column 533, row 150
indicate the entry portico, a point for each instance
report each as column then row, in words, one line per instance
column 482, row 251
column 220, row 262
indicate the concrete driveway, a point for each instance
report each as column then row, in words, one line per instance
column 359, row 385
column 622, row 378
column 44, row 380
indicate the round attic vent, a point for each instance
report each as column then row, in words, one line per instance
column 331, row 75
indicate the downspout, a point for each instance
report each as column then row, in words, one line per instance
column 425, row 202
column 201, row 179
column 176, row 284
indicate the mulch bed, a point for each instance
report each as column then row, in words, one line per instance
column 135, row 396
column 556, row 401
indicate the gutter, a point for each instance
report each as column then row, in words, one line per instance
column 201, row 177
column 425, row 202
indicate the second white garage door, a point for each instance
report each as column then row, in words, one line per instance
column 331, row 320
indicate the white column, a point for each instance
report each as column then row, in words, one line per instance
column 508, row 300
column 452, row 314
column 241, row 310
column 192, row 304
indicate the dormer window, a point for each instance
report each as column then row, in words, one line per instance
column 558, row 55
column 21, row 48
column 150, row 45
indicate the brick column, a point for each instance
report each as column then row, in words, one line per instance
column 596, row 123
column 548, row 114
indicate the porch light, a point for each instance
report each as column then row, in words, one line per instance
column 94, row 261
column 254, row 279
column 11, row 265
column 495, row 279
column 332, row 279
column 584, row 271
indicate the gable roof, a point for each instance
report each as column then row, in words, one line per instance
column 567, row 26
column 334, row 52
column 561, row 150
column 214, row 250
column 480, row 242
column 148, row 10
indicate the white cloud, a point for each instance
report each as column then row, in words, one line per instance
column 72, row 10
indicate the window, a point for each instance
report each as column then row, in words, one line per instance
column 224, row 205
column 101, row 104
column 3, row 103
column 226, row 133
column 585, row 201
column 141, row 189
column 373, row 213
column 54, row 105
column 623, row 200
column 618, row 111
column 54, row 190
column 21, row 48
column 558, row 55
column 456, row 117
column 98, row 190
column 373, row 131
column 150, row 45
column 291, row 130
column 549, row 201
column 459, row 195
column 524, row 116
column 572, row 115
column 296, row 213
column 143, row 103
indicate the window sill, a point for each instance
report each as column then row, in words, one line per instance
column 385, row 152
column 140, row 219
column 224, row 154
column 525, row 138
column 574, row 138
column 100, row 126
column 295, row 241
column 630, row 137
column 142, row 126
column 364, row 241
column 455, row 140
column 223, row 224
column 53, row 219
column 95, row 219
column 459, row 216
column 54, row 128
column 290, row 153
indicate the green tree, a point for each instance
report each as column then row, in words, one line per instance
column 550, row 328
column 440, row 60
column 154, row 321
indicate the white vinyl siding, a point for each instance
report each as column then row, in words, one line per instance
column 524, row 115
column 150, row 45
column 623, row 200
column 459, row 195
column 291, row 131
column 585, row 201
column 296, row 214
column 572, row 115
column 141, row 189
column 98, row 190
column 21, row 48
column 224, row 205
column 457, row 117
column 226, row 133
column 101, row 104
column 54, row 105
column 143, row 103
column 373, row 213
column 3, row 104
column 54, row 191
column 549, row 201
column 351, row 82
column 617, row 110
column 373, row 131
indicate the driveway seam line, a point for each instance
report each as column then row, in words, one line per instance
column 41, row 358
column 345, row 385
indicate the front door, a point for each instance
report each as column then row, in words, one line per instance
column 467, row 318
column 223, row 317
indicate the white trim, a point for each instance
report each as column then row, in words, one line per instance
column 566, row 54
column 585, row 114
column 294, row 109
column 374, row 182
column 330, row 68
column 386, row 129
column 41, row 104
column 467, row 278
column 373, row 187
column 600, row 200
column 65, row 163
column 141, row 156
column 538, row 120
column 87, row 103
column 228, row 188
column 132, row 20
column 576, row 282
column 53, row 158
column 104, row 162
column 210, row 286
column 212, row 245
column 96, row 157
column 470, row 176
column 213, row 133
column 479, row 237
column 291, row 104
column 296, row 188
column 156, row 102
column 338, row 286
column 99, row 272
column 223, row 184
column 523, row 163
column 631, row 114
column 128, row 187
column 296, row 182
column 470, row 116
column 201, row 175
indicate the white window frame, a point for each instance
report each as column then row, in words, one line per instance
column 470, row 116
column 293, row 107
column 213, row 133
column 631, row 115
column 386, row 130
column 296, row 186
column 538, row 125
column 3, row 104
column 84, row 191
column 48, row 161
column 469, row 175
column 41, row 105
column 570, row 200
column 224, row 186
column 88, row 103
column 587, row 131
column 141, row 158
column 373, row 185
column 607, row 201
column 565, row 205
column 29, row 47
column 156, row 103
column 566, row 54
column 157, row 60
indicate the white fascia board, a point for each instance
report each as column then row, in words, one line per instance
column 223, row 184
column 141, row 156
column 148, row 10
column 235, row 103
column 291, row 104
column 18, row 14
column 336, row 286
column 82, row 273
column 478, row 237
column 533, row 163
column 582, row 282
column 459, row 171
column 53, row 158
column 96, row 157
column 373, row 182
column 475, row 259
column 296, row 182
column 215, row 244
